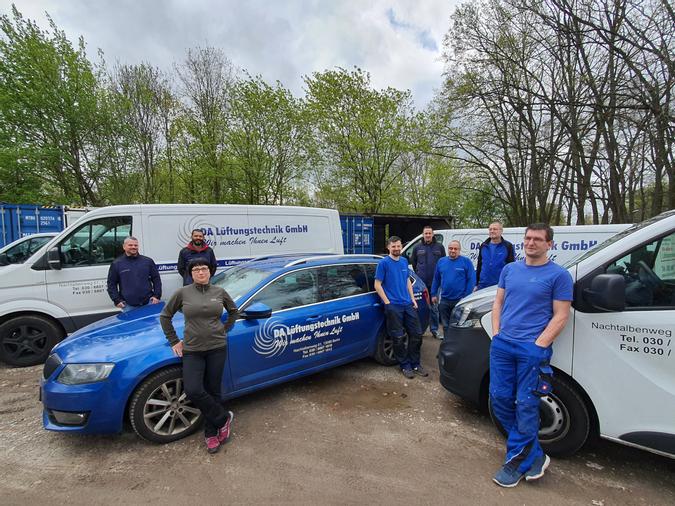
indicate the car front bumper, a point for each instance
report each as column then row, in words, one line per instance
column 464, row 361
column 90, row 408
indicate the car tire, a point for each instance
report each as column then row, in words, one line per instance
column 384, row 351
column 565, row 420
column 27, row 340
column 159, row 411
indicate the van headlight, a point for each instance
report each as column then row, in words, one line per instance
column 469, row 314
column 77, row 374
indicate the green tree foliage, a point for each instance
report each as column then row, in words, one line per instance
column 49, row 112
column 362, row 135
column 266, row 137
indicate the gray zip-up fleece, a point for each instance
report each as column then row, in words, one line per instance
column 202, row 307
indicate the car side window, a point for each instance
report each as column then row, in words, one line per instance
column 96, row 242
column 294, row 289
column 370, row 275
column 649, row 272
column 337, row 281
column 37, row 243
column 18, row 253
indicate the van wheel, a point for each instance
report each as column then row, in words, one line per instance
column 27, row 340
column 564, row 420
column 384, row 351
column 160, row 411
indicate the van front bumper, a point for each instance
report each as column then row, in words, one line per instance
column 464, row 363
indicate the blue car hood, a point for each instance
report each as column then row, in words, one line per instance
column 118, row 337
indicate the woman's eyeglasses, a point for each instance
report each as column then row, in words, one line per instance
column 200, row 269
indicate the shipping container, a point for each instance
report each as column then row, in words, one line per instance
column 357, row 233
column 18, row 221
column 21, row 220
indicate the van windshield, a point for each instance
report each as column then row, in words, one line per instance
column 617, row 237
column 238, row 281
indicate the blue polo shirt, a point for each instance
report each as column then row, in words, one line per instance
column 454, row 278
column 528, row 301
column 394, row 277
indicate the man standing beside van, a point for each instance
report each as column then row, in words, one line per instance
column 133, row 279
column 455, row 278
column 493, row 255
column 392, row 284
column 195, row 249
column 531, row 308
column 424, row 258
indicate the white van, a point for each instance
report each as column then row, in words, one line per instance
column 614, row 361
column 63, row 286
column 569, row 242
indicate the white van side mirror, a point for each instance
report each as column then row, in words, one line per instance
column 607, row 292
column 54, row 258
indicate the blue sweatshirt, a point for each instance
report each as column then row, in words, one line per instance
column 455, row 278
column 134, row 280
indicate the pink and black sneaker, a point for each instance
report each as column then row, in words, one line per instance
column 212, row 444
column 224, row 431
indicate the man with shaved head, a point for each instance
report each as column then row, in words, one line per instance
column 133, row 279
column 454, row 278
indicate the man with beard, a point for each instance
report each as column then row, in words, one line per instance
column 195, row 249
column 392, row 284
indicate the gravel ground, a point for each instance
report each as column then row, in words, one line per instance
column 358, row 434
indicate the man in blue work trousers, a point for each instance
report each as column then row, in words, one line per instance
column 424, row 258
column 494, row 253
column 392, row 284
column 455, row 278
column 530, row 310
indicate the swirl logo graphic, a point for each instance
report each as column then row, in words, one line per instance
column 185, row 230
column 271, row 338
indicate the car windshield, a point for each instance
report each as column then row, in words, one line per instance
column 238, row 281
column 617, row 237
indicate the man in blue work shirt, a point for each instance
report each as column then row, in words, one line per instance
column 493, row 255
column 424, row 258
column 392, row 284
column 455, row 278
column 530, row 310
column 133, row 279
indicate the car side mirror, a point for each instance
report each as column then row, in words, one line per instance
column 54, row 258
column 607, row 292
column 4, row 259
column 256, row 311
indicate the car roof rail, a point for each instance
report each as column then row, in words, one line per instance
column 321, row 257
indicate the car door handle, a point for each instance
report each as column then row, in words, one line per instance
column 377, row 304
column 313, row 318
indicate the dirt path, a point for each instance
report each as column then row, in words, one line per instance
column 357, row 434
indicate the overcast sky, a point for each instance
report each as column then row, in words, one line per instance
column 398, row 41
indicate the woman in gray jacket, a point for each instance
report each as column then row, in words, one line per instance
column 203, row 348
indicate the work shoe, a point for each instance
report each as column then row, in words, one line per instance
column 224, row 431
column 212, row 444
column 538, row 467
column 508, row 476
column 408, row 372
column 420, row 371
column 434, row 334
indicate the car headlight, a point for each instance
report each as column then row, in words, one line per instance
column 469, row 314
column 76, row 374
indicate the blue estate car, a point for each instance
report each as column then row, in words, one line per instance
column 298, row 315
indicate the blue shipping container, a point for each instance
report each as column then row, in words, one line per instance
column 20, row 220
column 357, row 233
